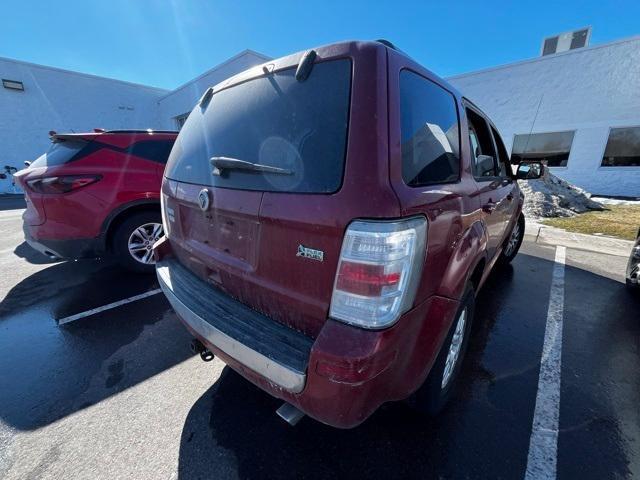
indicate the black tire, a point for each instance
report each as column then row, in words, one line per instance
column 507, row 254
column 120, row 242
column 432, row 396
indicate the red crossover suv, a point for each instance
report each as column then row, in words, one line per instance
column 98, row 193
column 329, row 218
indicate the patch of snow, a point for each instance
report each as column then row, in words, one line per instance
column 551, row 196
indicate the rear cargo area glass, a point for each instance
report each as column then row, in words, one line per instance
column 59, row 153
column 273, row 120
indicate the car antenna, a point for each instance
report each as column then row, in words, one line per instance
column 306, row 65
column 535, row 117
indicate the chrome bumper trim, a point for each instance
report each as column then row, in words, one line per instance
column 273, row 371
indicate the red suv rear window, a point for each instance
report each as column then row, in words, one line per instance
column 59, row 153
column 274, row 120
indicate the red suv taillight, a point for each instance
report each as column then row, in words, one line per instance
column 61, row 184
column 379, row 271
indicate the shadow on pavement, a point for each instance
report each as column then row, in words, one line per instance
column 48, row 371
column 232, row 431
column 31, row 255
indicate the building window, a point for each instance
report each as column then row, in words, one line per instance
column 180, row 119
column 552, row 148
column 12, row 84
column 566, row 41
column 623, row 148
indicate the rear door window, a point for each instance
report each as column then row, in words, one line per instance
column 59, row 153
column 503, row 156
column 275, row 121
column 429, row 132
column 483, row 154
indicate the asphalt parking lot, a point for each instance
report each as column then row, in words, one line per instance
column 116, row 393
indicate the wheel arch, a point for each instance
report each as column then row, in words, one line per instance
column 467, row 262
column 120, row 214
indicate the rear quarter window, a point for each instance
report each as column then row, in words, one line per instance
column 272, row 120
column 154, row 150
column 430, row 132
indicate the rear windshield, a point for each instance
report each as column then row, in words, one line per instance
column 277, row 121
column 59, row 153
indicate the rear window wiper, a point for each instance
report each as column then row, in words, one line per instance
column 228, row 163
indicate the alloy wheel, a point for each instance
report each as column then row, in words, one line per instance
column 513, row 240
column 141, row 242
column 454, row 349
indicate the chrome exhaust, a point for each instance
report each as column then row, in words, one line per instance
column 290, row 414
column 198, row 348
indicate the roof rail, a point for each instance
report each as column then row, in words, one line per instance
column 387, row 43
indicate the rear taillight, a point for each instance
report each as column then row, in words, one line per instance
column 61, row 184
column 379, row 271
column 168, row 216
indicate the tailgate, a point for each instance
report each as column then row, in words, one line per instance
column 257, row 195
column 272, row 259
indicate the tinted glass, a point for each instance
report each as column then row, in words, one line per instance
column 481, row 143
column 430, row 132
column 553, row 148
column 503, row 157
column 59, row 153
column 623, row 148
column 276, row 121
column 155, row 150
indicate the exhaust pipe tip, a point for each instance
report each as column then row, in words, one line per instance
column 197, row 348
column 290, row 414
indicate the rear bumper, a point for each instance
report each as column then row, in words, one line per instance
column 64, row 249
column 339, row 378
column 269, row 349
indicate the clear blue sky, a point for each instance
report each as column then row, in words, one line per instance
column 166, row 43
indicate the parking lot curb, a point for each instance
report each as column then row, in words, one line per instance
column 552, row 236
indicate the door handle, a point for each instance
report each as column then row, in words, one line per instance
column 489, row 207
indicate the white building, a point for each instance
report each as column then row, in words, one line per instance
column 584, row 104
column 35, row 99
column 580, row 98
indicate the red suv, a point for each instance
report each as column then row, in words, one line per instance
column 97, row 193
column 329, row 218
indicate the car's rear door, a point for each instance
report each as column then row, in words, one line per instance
column 486, row 173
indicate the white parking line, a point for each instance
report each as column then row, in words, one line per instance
column 543, row 446
column 109, row 306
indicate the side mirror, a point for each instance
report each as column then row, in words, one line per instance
column 529, row 171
